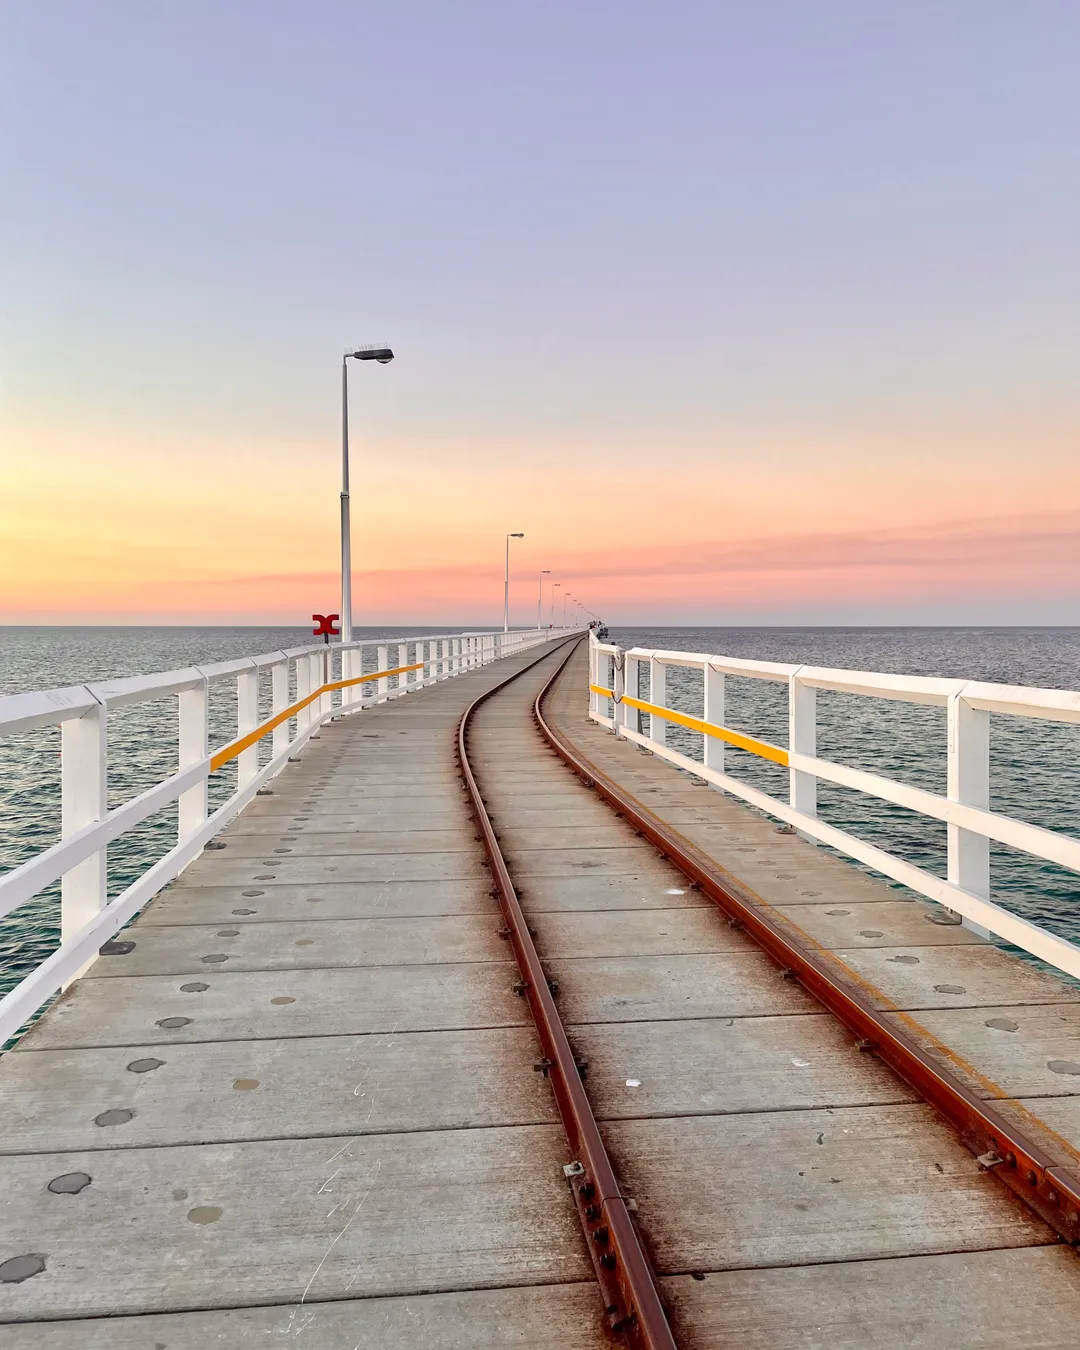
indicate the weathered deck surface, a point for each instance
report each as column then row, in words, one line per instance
column 306, row 1105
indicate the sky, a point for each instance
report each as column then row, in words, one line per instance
column 743, row 314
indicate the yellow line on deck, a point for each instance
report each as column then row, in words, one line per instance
column 735, row 738
column 234, row 748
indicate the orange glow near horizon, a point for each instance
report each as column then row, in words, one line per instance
column 119, row 533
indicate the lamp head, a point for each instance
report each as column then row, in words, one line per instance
column 515, row 536
column 381, row 354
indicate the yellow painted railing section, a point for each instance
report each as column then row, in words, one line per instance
column 735, row 738
column 229, row 752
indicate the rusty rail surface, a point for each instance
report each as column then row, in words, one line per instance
column 1052, row 1191
column 631, row 1301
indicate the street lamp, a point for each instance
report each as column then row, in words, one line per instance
column 544, row 572
column 554, row 588
column 506, row 583
column 565, row 596
column 382, row 355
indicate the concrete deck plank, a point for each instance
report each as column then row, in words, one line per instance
column 214, row 1092
column 654, row 988
column 852, row 1184
column 657, row 889
column 242, row 1006
column 637, row 932
column 193, row 949
column 883, row 923
column 1008, row 1050
column 723, row 1065
column 231, row 905
column 223, row 870
column 953, row 977
column 226, row 1225
column 545, row 1317
column 421, row 838
column 994, row 1300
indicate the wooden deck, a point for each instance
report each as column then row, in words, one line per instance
column 304, row 1104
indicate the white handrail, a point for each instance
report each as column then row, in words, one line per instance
column 615, row 702
column 329, row 682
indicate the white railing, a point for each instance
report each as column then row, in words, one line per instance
column 615, row 702
column 307, row 686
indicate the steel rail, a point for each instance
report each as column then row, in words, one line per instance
column 1031, row 1173
column 631, row 1300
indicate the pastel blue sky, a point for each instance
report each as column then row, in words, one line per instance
column 656, row 275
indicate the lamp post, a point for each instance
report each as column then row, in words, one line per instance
column 506, row 582
column 544, row 572
column 382, row 355
column 565, row 597
column 554, row 588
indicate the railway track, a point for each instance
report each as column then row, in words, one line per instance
column 519, row 767
column 465, row 1037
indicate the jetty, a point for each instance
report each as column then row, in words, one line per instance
column 466, row 1007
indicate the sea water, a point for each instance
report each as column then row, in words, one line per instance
column 1035, row 766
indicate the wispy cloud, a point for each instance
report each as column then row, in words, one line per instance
column 1036, row 556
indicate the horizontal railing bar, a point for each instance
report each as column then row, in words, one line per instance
column 750, row 743
column 48, row 707
column 229, row 752
column 1049, row 845
column 1035, row 840
column 44, row 707
column 731, row 665
column 1056, row 705
column 1057, row 951
column 145, row 688
column 22, row 883
column 1059, row 705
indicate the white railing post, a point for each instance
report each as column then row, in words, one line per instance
column 968, row 781
column 455, row 663
column 192, row 747
column 247, row 719
column 279, row 695
column 594, row 699
column 657, row 695
column 618, row 684
column 632, row 686
column 83, row 800
column 303, row 688
column 802, row 739
column 714, row 713
column 311, row 664
column 358, row 669
column 382, row 662
column 402, row 660
column 325, row 670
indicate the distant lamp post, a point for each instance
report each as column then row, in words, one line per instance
column 554, row 588
column 545, row 572
column 565, row 596
column 506, row 583
column 382, row 355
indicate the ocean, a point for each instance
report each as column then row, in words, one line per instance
column 1035, row 766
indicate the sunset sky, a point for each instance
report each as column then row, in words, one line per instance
column 743, row 313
